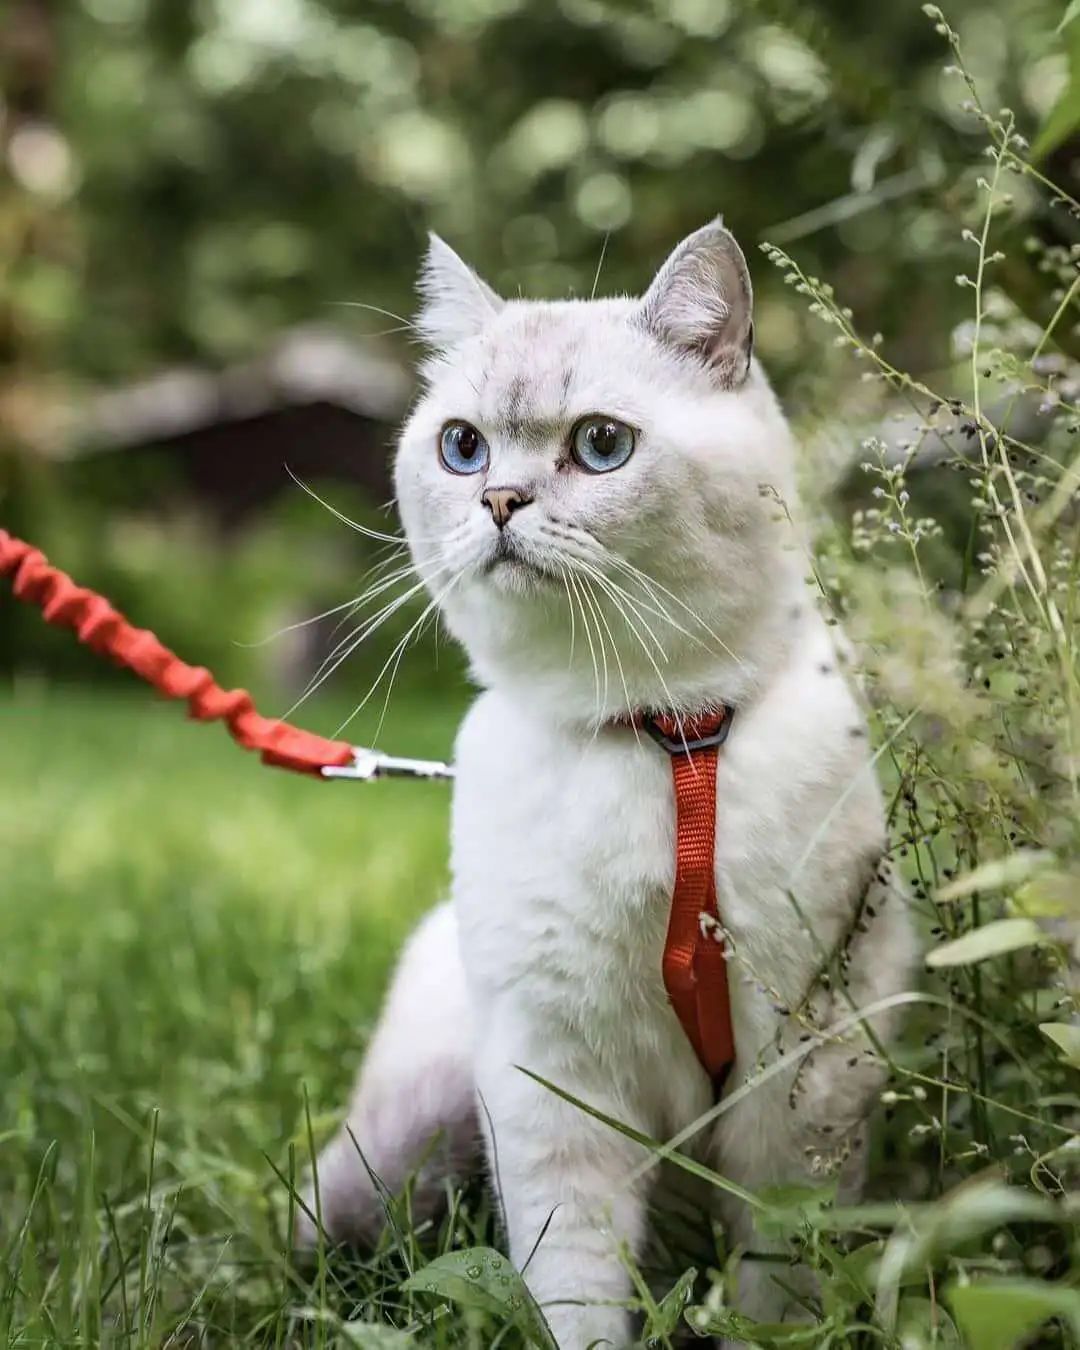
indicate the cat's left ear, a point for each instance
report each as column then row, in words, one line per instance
column 701, row 301
column 455, row 303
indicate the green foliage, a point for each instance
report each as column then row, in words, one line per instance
column 1064, row 118
column 185, row 940
column 483, row 1280
column 991, row 939
column 219, row 170
column 998, row 1315
column 1066, row 1038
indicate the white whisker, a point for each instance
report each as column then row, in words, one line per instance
column 590, row 599
column 371, row 592
column 571, row 579
column 375, row 309
column 615, row 653
column 587, row 549
column 432, row 616
column 651, row 581
column 354, row 641
column 400, row 646
column 617, row 597
column 573, row 620
column 657, row 608
column 381, row 536
column 641, row 643
column 608, row 582
column 599, row 265
column 300, row 623
column 388, row 583
column 340, row 515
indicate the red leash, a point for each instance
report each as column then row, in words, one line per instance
column 105, row 630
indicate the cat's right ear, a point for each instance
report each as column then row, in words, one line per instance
column 455, row 304
column 701, row 302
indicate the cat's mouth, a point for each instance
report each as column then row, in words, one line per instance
column 503, row 551
column 510, row 561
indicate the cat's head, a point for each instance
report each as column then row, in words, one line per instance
column 581, row 483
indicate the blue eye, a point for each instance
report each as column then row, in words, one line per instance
column 462, row 449
column 601, row 444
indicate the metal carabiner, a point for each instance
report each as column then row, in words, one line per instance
column 369, row 764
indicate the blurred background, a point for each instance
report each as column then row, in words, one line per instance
column 211, row 213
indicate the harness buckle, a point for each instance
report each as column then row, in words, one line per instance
column 686, row 745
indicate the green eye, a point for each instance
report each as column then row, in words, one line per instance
column 462, row 449
column 601, row 443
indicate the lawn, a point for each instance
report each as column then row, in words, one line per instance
column 188, row 943
column 192, row 948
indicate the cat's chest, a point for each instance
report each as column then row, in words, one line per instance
column 564, row 847
column 563, row 853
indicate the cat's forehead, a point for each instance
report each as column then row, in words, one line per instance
column 542, row 364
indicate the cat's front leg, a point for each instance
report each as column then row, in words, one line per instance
column 570, row 1208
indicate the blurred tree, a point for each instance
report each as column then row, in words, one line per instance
column 181, row 181
column 238, row 165
column 32, row 254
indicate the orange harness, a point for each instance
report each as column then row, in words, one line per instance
column 694, row 966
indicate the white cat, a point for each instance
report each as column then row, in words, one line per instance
column 590, row 491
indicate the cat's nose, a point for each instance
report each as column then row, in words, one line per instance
column 502, row 502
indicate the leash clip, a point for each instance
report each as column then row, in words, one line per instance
column 370, row 764
column 686, row 745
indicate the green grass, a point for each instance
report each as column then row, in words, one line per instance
column 188, row 942
column 192, row 948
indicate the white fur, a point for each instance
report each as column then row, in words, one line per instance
column 564, row 821
column 457, row 304
column 412, row 1112
column 701, row 300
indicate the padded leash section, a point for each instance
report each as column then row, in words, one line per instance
column 102, row 628
column 695, row 965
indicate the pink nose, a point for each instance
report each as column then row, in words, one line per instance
column 502, row 502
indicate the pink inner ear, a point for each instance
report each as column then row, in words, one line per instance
column 456, row 304
column 732, row 362
column 701, row 301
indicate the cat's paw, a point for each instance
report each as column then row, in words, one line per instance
column 348, row 1203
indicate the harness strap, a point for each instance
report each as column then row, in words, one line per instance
column 105, row 630
column 694, row 964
